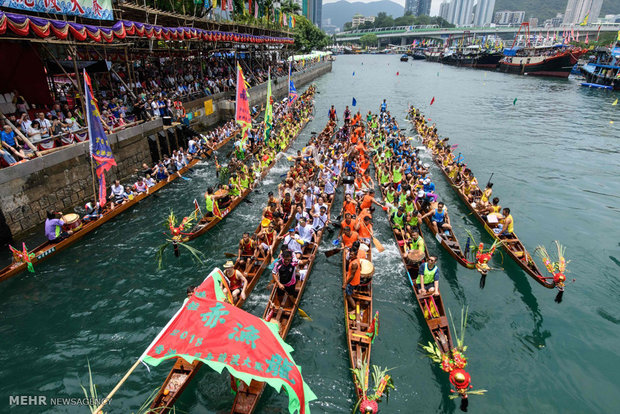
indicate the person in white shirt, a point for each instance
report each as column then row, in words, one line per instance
column 308, row 200
column 318, row 206
column 117, row 192
column 301, row 213
column 320, row 220
column 305, row 230
column 292, row 243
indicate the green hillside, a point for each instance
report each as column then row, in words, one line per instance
column 549, row 8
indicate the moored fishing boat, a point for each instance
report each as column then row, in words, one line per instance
column 603, row 71
column 555, row 60
column 282, row 310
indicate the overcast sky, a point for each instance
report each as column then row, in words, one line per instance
column 434, row 5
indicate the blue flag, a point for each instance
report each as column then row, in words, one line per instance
column 292, row 92
column 100, row 149
column 354, row 102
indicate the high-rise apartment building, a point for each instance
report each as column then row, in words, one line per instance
column 484, row 12
column 418, row 7
column 577, row 10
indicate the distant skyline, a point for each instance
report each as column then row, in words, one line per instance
column 434, row 5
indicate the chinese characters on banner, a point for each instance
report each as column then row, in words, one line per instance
column 92, row 9
column 223, row 336
column 242, row 112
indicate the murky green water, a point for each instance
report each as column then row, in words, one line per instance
column 556, row 161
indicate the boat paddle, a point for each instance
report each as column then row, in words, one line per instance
column 489, row 182
column 303, row 314
column 330, row 253
column 375, row 241
column 231, row 255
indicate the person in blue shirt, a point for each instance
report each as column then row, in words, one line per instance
column 384, row 106
column 9, row 146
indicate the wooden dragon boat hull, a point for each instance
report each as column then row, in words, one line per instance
column 206, row 223
column 512, row 245
column 359, row 343
column 47, row 249
column 248, row 396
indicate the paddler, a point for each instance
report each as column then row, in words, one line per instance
column 428, row 277
column 369, row 199
column 398, row 221
column 353, row 278
column 211, row 201
column 237, row 283
column 439, row 218
column 508, row 223
column 285, row 276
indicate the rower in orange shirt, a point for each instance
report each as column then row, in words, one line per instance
column 368, row 200
column 364, row 229
column 349, row 206
column 349, row 236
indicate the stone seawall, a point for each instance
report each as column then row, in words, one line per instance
column 63, row 180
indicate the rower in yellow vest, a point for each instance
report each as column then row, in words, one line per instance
column 428, row 277
column 211, row 201
column 508, row 223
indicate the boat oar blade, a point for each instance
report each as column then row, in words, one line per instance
column 231, row 255
column 303, row 314
column 378, row 244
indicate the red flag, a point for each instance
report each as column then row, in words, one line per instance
column 209, row 329
column 598, row 32
column 433, row 100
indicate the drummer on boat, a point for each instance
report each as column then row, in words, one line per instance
column 54, row 227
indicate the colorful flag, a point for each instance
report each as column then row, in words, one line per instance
column 242, row 112
column 587, row 39
column 268, row 109
column 354, row 102
column 100, row 149
column 585, row 20
column 256, row 10
column 433, row 100
column 292, row 92
column 615, row 102
column 209, row 329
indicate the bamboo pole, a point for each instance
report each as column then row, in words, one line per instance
column 111, row 394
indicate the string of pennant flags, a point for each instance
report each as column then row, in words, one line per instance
column 253, row 7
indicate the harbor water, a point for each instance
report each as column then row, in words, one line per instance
column 554, row 151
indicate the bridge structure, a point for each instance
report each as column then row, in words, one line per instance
column 405, row 35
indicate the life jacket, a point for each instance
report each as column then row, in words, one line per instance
column 429, row 275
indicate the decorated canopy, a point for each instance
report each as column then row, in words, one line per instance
column 91, row 9
column 23, row 25
column 209, row 329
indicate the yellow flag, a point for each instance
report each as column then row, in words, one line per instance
column 615, row 102
column 618, row 34
column 585, row 21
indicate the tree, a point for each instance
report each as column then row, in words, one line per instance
column 348, row 26
column 289, row 6
column 369, row 40
column 308, row 36
column 383, row 20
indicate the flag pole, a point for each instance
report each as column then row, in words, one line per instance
column 90, row 137
column 121, row 382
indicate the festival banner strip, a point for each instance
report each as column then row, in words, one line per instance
column 23, row 25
